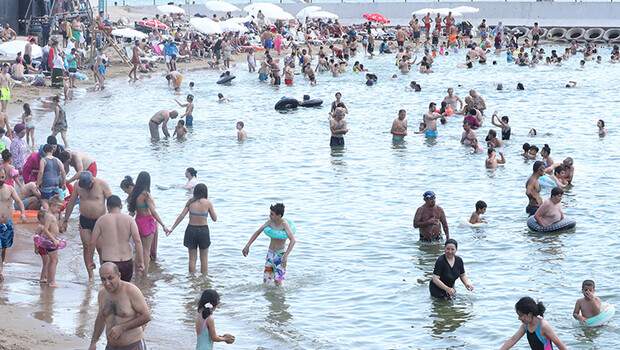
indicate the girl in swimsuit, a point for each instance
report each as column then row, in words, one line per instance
column 539, row 333
column 205, row 324
column 142, row 205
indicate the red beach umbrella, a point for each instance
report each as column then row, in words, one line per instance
column 152, row 24
column 376, row 17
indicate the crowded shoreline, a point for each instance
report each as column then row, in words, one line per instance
column 398, row 131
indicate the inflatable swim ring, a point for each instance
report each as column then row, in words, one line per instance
column 561, row 225
column 286, row 103
column 226, row 78
column 466, row 223
column 546, row 181
column 307, row 102
column 605, row 316
column 280, row 234
column 45, row 243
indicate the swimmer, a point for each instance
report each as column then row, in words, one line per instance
column 337, row 103
column 530, row 151
column 468, row 137
column 588, row 306
column 415, row 86
column 79, row 161
column 492, row 162
column 279, row 231
column 559, row 176
column 492, row 140
column 499, row 87
column 371, row 79
column 430, row 120
column 520, row 87
column 399, row 126
column 175, row 79
column 503, row 124
column 453, row 100
column 532, row 132
column 601, row 128
column 289, row 73
column 532, row 188
column 221, row 98
column 481, row 208
column 474, row 118
column 570, row 169
column 338, row 127
column 189, row 110
column 180, row 130
column 421, row 128
column 538, row 331
column 571, row 84
column 445, row 111
column 545, row 153
column 191, row 85
column 241, row 134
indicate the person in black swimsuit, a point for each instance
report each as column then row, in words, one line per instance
column 448, row 268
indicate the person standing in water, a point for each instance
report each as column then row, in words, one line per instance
column 448, row 267
column 430, row 120
column 197, row 234
column 540, row 335
column 60, row 121
column 399, row 127
column 161, row 118
column 278, row 230
column 532, row 188
column 142, row 205
column 430, row 218
column 205, row 323
column 8, row 196
column 338, row 127
column 189, row 110
column 123, row 312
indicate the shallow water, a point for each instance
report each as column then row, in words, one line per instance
column 358, row 277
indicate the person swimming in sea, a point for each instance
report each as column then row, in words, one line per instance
column 476, row 216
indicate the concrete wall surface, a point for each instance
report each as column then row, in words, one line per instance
column 9, row 12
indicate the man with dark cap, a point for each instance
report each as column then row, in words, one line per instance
column 430, row 218
column 92, row 193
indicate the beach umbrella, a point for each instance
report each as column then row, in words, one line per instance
column 376, row 17
column 152, row 24
column 323, row 15
column 170, row 9
column 11, row 48
column 263, row 6
column 129, row 33
column 221, row 6
column 205, row 25
column 281, row 15
column 240, row 20
column 304, row 12
column 232, row 26
column 466, row 9
column 423, row 12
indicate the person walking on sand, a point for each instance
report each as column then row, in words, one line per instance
column 112, row 235
column 135, row 60
column 5, row 87
column 161, row 118
column 122, row 312
column 8, row 197
column 92, row 193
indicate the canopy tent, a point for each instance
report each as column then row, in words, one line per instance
column 304, row 12
column 323, row 15
column 466, row 9
column 232, row 26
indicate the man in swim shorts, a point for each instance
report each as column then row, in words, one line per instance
column 5, row 87
column 7, row 197
column 430, row 218
column 430, row 119
column 338, row 127
column 401, row 35
column 532, row 188
column 92, row 193
column 536, row 31
column 161, row 118
column 399, row 127
column 453, row 100
column 112, row 235
column 122, row 312
column 550, row 210
column 79, row 161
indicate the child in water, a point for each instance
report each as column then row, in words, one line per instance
column 205, row 323
column 481, row 208
column 46, row 240
column 180, row 130
column 589, row 305
column 263, row 71
column 221, row 98
column 421, row 129
column 241, row 134
column 251, row 61
column 189, row 110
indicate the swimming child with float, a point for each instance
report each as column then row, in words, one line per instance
column 278, row 230
column 590, row 310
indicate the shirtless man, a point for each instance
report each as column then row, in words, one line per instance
column 550, row 211
column 122, row 312
column 532, row 188
column 452, row 100
column 479, row 103
column 161, row 118
column 399, row 126
column 468, row 138
column 79, row 161
column 175, row 79
column 569, row 168
column 135, row 60
column 92, row 193
column 8, row 33
column 430, row 120
column 401, row 35
column 28, row 54
column 338, row 127
column 30, row 196
column 189, row 109
column 430, row 218
column 7, row 197
column 112, row 235
column 5, row 87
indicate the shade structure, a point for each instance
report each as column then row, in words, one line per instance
column 376, row 17
column 11, row 48
column 263, row 6
column 129, row 33
column 304, row 12
column 170, row 9
column 232, row 26
column 221, row 6
column 205, row 25
column 152, row 24
column 443, row 11
column 322, row 15
column 466, row 9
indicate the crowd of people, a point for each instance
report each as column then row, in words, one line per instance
column 40, row 178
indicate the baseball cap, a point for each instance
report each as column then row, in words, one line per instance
column 428, row 195
column 86, row 179
column 19, row 128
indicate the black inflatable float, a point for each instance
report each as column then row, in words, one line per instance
column 225, row 78
column 307, row 102
column 286, row 103
column 561, row 225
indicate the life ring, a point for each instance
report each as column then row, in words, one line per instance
column 594, row 34
column 280, row 234
column 286, row 103
column 546, row 181
column 575, row 34
column 612, row 35
column 307, row 102
column 603, row 317
column 556, row 34
column 561, row 225
column 226, row 78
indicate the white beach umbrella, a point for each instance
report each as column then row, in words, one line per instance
column 466, row 9
column 205, row 25
column 170, row 9
column 232, row 26
column 11, row 48
column 323, row 15
column 282, row 15
column 263, row 6
column 221, row 6
column 304, row 12
column 129, row 33
column 423, row 12
column 240, row 20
